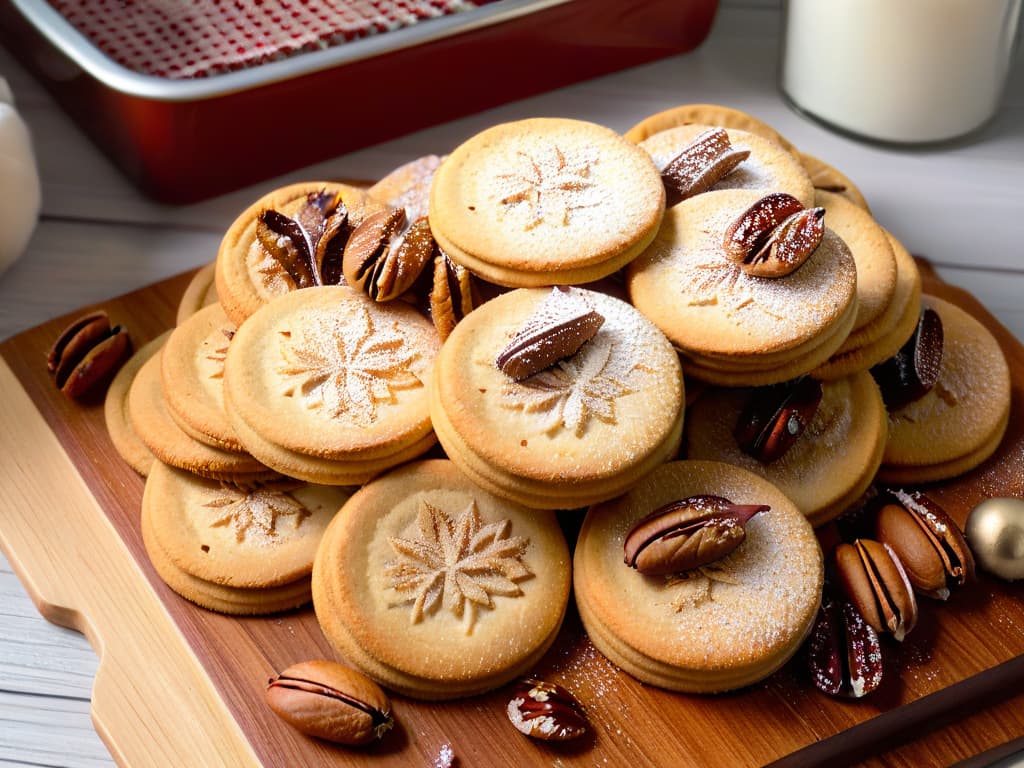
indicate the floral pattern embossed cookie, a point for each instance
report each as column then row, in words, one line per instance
column 545, row 201
column 437, row 589
column 329, row 386
column 580, row 430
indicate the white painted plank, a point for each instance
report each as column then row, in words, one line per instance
column 33, row 722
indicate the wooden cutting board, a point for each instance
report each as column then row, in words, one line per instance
column 180, row 686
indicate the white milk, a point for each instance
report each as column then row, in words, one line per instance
column 899, row 70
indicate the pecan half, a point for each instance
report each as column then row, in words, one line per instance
column 686, row 534
column 874, row 580
column 704, row 162
column 87, row 354
column 775, row 236
column 931, row 547
column 382, row 260
column 546, row 711
column 844, row 654
column 330, row 701
column 556, row 329
column 775, row 416
column 911, row 373
column 452, row 296
column 309, row 246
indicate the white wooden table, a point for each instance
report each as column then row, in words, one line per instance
column 963, row 207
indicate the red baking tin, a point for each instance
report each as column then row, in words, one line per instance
column 187, row 129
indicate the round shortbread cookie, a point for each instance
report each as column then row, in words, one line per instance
column 961, row 420
column 200, row 292
column 708, row 306
column 584, row 429
column 436, row 588
column 329, row 374
column 829, row 466
column 219, row 597
column 546, row 201
column 872, row 252
column 829, row 179
column 769, row 168
column 154, row 425
column 247, row 276
column 192, row 372
column 408, row 186
column 115, row 409
column 705, row 114
column 248, row 536
column 725, row 625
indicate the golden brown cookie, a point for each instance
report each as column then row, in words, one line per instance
column 705, row 114
column 326, row 385
column 829, row 179
column 235, row 549
column 408, row 186
column 960, row 422
column 437, row 589
column 200, row 292
column 545, row 201
column 247, row 276
column 720, row 317
column 768, row 168
column 724, row 625
column 152, row 421
column 829, row 466
column 115, row 409
column 192, row 375
column 583, row 429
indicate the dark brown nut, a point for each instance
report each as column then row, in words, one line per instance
column 384, row 262
column 788, row 246
column 87, row 354
column 309, row 246
column 775, row 416
column 452, row 296
column 330, row 701
column 686, row 534
column 911, row 373
column 704, row 162
column 929, row 544
column 560, row 325
column 748, row 233
column 546, row 711
column 874, row 581
column 844, row 654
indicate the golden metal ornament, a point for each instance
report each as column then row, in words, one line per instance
column 995, row 531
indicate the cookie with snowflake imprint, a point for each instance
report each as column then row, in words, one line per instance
column 582, row 430
column 327, row 385
column 247, row 276
column 545, row 201
column 723, row 625
column 436, row 588
column 236, row 548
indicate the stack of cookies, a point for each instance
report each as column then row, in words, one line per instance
column 527, row 309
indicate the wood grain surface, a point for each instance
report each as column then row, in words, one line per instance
column 178, row 685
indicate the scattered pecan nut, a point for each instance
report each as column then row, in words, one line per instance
column 381, row 260
column 876, row 583
column 546, row 711
column 775, row 416
column 775, row 236
column 911, row 373
column 309, row 246
column 452, row 296
column 330, row 701
column 87, row 354
column 704, row 162
column 844, row 654
column 557, row 328
column 686, row 534
column 929, row 544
